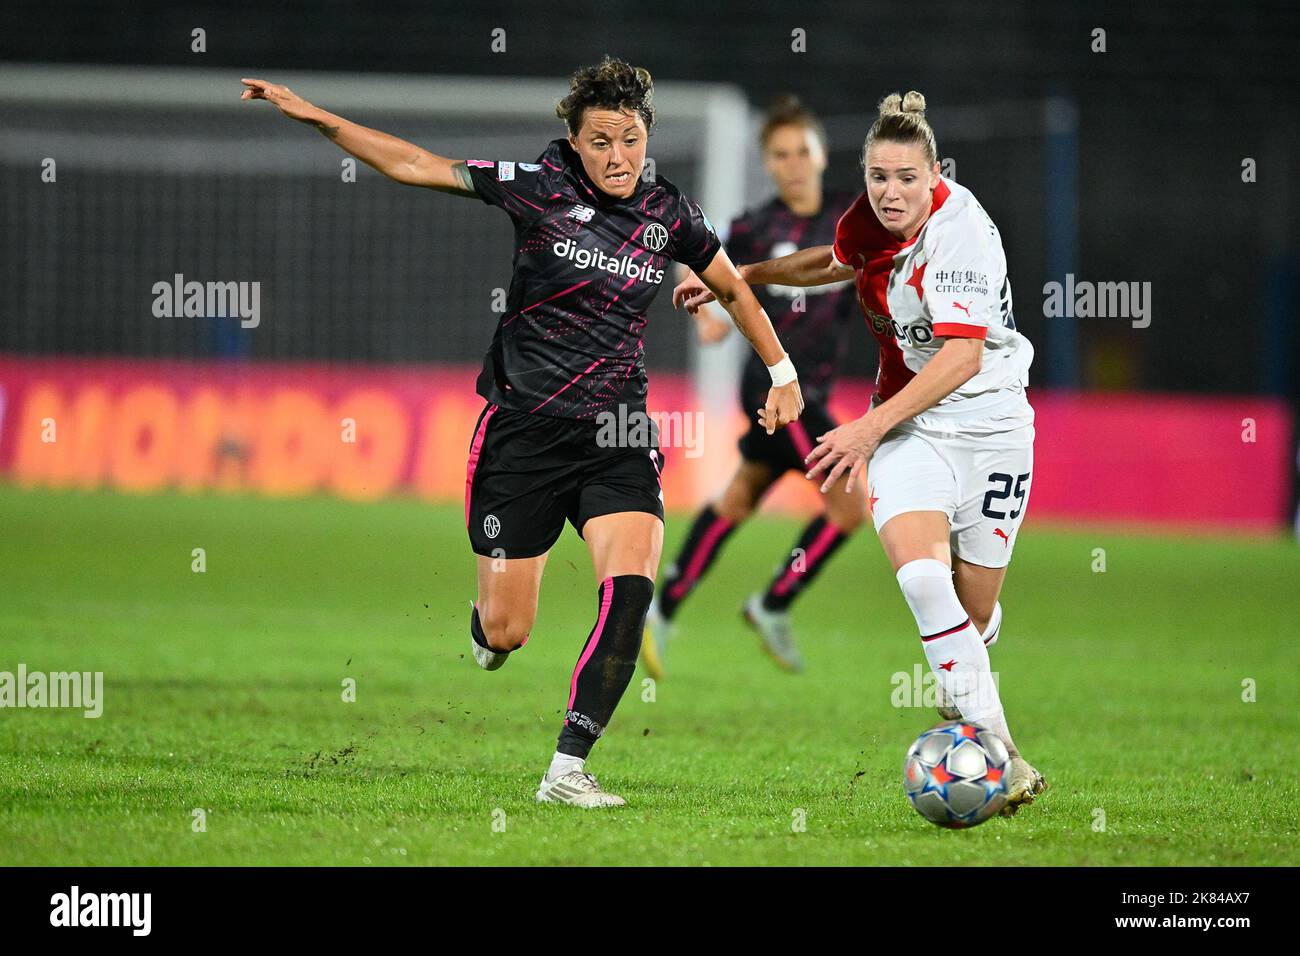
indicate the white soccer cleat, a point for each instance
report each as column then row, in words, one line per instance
column 577, row 787
column 485, row 657
column 1026, row 783
column 654, row 642
column 774, row 629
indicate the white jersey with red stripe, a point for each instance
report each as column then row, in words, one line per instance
column 950, row 280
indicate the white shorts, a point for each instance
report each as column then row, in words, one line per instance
column 974, row 463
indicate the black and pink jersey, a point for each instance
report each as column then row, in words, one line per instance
column 815, row 337
column 587, row 266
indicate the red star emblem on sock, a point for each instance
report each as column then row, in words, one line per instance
column 918, row 274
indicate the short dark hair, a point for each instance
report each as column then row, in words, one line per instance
column 788, row 110
column 611, row 84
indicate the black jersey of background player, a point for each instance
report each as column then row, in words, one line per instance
column 586, row 268
column 815, row 338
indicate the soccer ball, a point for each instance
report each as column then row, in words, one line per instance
column 956, row 774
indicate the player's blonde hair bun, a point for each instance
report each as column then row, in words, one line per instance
column 912, row 102
column 902, row 120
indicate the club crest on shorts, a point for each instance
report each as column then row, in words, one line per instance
column 491, row 526
column 655, row 237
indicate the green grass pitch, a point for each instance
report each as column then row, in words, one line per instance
column 223, row 692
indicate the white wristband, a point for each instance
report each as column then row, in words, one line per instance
column 782, row 372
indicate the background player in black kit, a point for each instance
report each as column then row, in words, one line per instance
column 813, row 328
column 593, row 242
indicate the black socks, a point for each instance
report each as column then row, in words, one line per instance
column 702, row 545
column 820, row 540
column 607, row 661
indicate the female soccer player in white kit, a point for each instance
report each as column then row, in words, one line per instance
column 949, row 435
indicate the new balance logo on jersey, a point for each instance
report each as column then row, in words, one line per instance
column 582, row 213
column 596, row 259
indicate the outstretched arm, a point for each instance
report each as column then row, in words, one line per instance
column 806, row 267
column 395, row 158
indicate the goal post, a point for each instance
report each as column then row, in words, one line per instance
column 165, row 155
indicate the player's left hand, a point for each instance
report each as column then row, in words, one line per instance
column 848, row 447
column 284, row 99
column 691, row 294
column 784, row 405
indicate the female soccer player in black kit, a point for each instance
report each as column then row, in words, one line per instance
column 813, row 324
column 593, row 241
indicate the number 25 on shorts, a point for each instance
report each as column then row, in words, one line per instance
column 1001, row 491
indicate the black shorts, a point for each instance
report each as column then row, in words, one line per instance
column 528, row 473
column 785, row 450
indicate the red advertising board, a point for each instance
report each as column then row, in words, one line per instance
column 365, row 432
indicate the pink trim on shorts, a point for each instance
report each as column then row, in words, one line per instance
column 475, row 447
column 799, row 435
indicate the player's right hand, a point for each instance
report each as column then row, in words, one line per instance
column 286, row 100
column 784, row 405
column 691, row 293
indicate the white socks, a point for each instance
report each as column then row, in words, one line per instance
column 990, row 634
column 562, row 764
column 954, row 648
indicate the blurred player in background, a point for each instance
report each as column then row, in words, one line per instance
column 593, row 242
column 812, row 324
column 950, row 432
